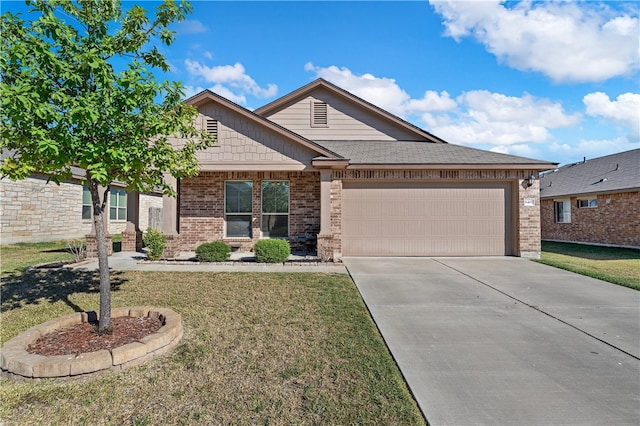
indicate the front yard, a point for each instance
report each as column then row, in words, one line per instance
column 264, row 348
column 615, row 265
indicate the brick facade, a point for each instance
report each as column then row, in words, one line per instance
column 201, row 207
column 616, row 221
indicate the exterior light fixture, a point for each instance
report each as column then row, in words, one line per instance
column 530, row 180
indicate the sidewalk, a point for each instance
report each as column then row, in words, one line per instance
column 239, row 262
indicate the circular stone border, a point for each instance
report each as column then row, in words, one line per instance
column 17, row 363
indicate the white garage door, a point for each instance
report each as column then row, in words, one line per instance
column 420, row 219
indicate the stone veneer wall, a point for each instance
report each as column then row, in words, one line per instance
column 32, row 210
column 616, row 221
column 201, row 206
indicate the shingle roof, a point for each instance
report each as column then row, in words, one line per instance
column 612, row 173
column 422, row 153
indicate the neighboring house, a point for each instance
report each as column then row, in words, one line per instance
column 323, row 164
column 595, row 201
column 32, row 210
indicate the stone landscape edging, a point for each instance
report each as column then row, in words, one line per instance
column 16, row 362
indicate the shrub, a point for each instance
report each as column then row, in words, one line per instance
column 155, row 242
column 78, row 248
column 216, row 251
column 272, row 251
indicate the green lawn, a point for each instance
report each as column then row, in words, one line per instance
column 16, row 258
column 615, row 265
column 259, row 348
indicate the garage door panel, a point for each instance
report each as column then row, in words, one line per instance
column 402, row 219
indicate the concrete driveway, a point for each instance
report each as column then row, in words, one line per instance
column 507, row 341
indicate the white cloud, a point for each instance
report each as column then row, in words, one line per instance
column 496, row 119
column 218, row 89
column 191, row 26
column 383, row 92
column 567, row 41
column 473, row 118
column 624, row 110
column 592, row 148
column 230, row 79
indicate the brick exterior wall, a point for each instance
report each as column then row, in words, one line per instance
column 32, row 210
column 616, row 221
column 201, row 207
column 527, row 220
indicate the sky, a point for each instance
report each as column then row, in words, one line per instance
column 555, row 81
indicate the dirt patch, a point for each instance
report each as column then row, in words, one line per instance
column 81, row 338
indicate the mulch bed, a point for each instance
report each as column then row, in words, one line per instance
column 82, row 338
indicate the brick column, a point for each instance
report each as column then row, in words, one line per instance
column 528, row 210
column 132, row 235
column 325, row 237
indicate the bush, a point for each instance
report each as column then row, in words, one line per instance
column 272, row 251
column 155, row 242
column 216, row 251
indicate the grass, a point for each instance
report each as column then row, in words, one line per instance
column 15, row 258
column 615, row 265
column 264, row 348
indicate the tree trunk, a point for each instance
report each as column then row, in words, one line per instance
column 99, row 209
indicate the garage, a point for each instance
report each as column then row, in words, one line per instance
column 426, row 219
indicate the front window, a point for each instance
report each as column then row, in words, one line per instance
column 87, row 206
column 238, row 208
column 563, row 211
column 118, row 204
column 275, row 209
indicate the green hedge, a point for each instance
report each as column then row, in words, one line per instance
column 272, row 251
column 216, row 251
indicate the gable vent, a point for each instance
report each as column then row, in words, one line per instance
column 319, row 114
column 212, row 126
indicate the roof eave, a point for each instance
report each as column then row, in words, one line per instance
column 487, row 166
column 587, row 193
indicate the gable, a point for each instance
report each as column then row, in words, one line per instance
column 348, row 117
column 344, row 120
column 246, row 144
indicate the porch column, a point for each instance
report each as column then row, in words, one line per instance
column 132, row 235
column 325, row 237
column 170, row 219
column 92, row 242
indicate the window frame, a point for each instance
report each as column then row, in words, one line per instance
column 562, row 215
column 589, row 203
column 86, row 208
column 114, row 194
column 238, row 214
column 263, row 213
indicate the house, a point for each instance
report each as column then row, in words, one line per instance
column 324, row 164
column 32, row 210
column 595, row 201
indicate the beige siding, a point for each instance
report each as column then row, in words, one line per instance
column 346, row 121
column 420, row 219
column 243, row 142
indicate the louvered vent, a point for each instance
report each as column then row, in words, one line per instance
column 212, row 126
column 319, row 114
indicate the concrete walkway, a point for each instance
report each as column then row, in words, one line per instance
column 507, row 341
column 133, row 261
